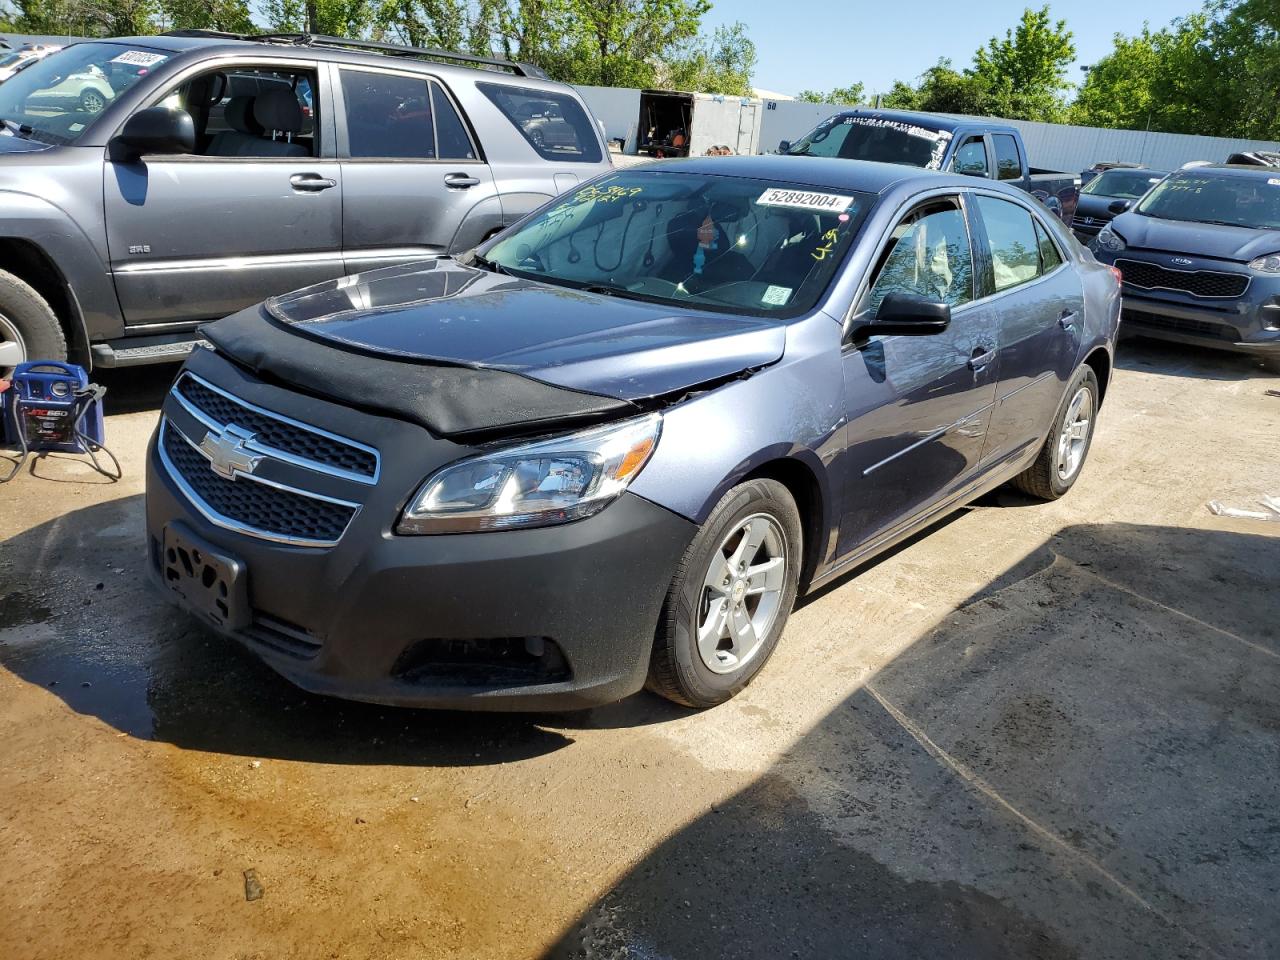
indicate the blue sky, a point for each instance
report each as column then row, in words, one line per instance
column 821, row 44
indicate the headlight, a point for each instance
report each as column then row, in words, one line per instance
column 535, row 485
column 1267, row 264
column 1107, row 239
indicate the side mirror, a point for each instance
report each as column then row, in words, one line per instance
column 155, row 130
column 907, row 315
column 1119, row 206
column 784, row 146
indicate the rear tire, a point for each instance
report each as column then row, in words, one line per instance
column 1058, row 465
column 29, row 329
column 734, row 587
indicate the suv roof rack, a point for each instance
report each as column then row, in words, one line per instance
column 372, row 46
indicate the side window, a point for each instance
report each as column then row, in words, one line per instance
column 388, row 116
column 451, row 134
column 928, row 256
column 1008, row 163
column 251, row 112
column 971, row 158
column 1015, row 246
column 1050, row 258
column 554, row 124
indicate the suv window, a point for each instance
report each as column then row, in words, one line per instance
column 451, row 135
column 250, row 112
column 971, row 158
column 553, row 124
column 1015, row 246
column 388, row 116
column 1008, row 163
column 928, row 256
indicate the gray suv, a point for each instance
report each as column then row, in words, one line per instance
column 153, row 183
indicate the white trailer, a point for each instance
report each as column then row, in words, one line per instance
column 675, row 124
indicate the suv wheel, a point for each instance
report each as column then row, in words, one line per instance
column 1062, row 457
column 730, row 598
column 91, row 101
column 28, row 328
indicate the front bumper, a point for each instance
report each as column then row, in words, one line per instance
column 1249, row 324
column 546, row 619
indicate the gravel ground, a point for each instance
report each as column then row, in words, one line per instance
column 1038, row 731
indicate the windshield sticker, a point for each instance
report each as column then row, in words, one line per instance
column 776, row 296
column 140, row 58
column 910, row 129
column 828, row 244
column 805, row 200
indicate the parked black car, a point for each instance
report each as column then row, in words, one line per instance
column 1110, row 193
column 1200, row 256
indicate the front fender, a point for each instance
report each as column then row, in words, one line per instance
column 40, row 223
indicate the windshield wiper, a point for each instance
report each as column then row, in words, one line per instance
column 21, row 129
column 492, row 266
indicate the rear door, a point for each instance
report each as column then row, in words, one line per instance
column 918, row 406
column 1038, row 300
column 412, row 172
column 197, row 237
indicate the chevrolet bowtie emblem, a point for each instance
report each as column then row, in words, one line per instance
column 227, row 454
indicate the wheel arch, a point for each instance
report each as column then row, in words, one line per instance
column 29, row 263
column 802, row 483
column 1100, row 361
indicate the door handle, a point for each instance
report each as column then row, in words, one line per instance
column 460, row 180
column 980, row 357
column 311, row 182
column 1068, row 320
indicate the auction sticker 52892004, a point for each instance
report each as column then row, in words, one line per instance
column 805, row 200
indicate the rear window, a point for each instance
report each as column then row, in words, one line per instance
column 1008, row 163
column 554, row 124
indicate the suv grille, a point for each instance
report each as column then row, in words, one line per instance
column 258, row 508
column 271, row 431
column 1198, row 283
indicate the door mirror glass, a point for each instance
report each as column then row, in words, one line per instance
column 156, row 130
column 1119, row 206
column 909, row 315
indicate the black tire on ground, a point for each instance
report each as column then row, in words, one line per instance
column 36, row 324
column 1042, row 479
column 677, row 670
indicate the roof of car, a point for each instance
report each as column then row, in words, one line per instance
column 829, row 172
column 230, row 45
column 1237, row 170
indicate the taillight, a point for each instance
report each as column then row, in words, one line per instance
column 1115, row 272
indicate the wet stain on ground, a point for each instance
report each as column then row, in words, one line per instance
column 19, row 609
column 760, row 877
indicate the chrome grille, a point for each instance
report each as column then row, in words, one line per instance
column 1209, row 284
column 296, row 441
column 250, row 505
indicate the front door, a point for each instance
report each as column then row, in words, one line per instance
column 917, row 406
column 414, row 183
column 1039, row 303
column 255, row 211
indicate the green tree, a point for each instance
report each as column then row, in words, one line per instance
column 722, row 64
column 1024, row 75
column 853, row 94
column 232, row 16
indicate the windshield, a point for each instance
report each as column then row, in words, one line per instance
column 55, row 99
column 856, row 137
column 9, row 59
column 1123, row 184
column 730, row 244
column 1214, row 198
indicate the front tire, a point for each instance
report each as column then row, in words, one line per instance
column 91, row 101
column 29, row 330
column 1058, row 465
column 730, row 598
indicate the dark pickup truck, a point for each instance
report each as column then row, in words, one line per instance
column 967, row 145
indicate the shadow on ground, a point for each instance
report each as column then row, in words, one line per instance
column 1081, row 760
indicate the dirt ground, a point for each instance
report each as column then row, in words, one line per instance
column 1039, row 731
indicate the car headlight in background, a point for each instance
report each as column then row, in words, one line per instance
column 535, row 485
column 1108, row 240
column 1267, row 264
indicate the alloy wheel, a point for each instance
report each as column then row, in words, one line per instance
column 741, row 593
column 1073, row 439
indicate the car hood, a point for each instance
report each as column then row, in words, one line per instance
column 11, row 143
column 1197, row 239
column 440, row 310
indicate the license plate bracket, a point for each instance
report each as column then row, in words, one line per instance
column 210, row 582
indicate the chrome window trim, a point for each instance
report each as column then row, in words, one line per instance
column 1248, row 280
column 270, row 451
column 228, row 523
